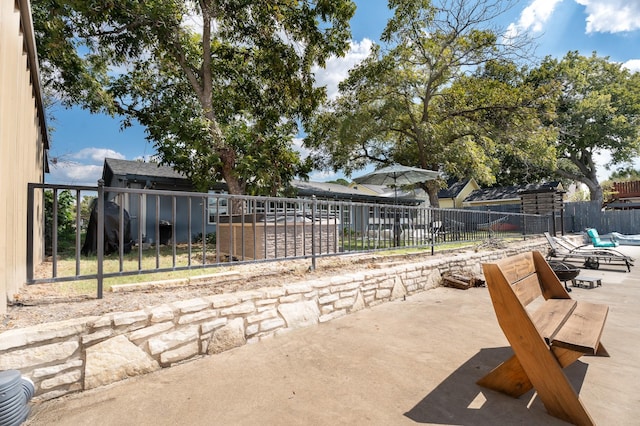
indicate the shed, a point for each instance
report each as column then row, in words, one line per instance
column 545, row 200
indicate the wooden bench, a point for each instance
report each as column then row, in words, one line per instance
column 545, row 339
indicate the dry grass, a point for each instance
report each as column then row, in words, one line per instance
column 133, row 264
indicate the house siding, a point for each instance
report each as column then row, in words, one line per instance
column 22, row 146
column 147, row 217
column 457, row 201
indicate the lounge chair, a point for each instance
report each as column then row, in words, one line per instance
column 592, row 256
column 597, row 242
column 573, row 246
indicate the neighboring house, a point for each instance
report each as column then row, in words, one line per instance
column 626, row 196
column 456, row 191
column 23, row 145
column 376, row 190
column 141, row 175
column 354, row 192
column 142, row 212
column 505, row 195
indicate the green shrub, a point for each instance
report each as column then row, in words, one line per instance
column 66, row 230
column 211, row 238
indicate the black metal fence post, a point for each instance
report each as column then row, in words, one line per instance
column 314, row 206
column 30, row 226
column 54, row 234
column 78, row 228
column 100, row 242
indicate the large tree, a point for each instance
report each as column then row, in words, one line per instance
column 219, row 85
column 598, row 111
column 441, row 93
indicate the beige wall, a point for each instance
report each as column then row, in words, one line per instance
column 23, row 143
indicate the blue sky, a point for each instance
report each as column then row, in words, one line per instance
column 81, row 141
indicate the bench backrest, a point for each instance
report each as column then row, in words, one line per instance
column 529, row 277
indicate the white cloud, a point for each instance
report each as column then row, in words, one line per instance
column 80, row 168
column 611, row 16
column 605, row 16
column 97, row 155
column 75, row 174
column 337, row 68
column 533, row 17
column 298, row 146
column 632, row 65
column 335, row 71
column 148, row 158
column 323, row 176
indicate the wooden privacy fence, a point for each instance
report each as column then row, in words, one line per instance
column 589, row 214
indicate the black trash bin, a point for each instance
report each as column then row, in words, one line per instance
column 166, row 230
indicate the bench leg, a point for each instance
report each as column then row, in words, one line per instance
column 557, row 395
column 511, row 379
column 564, row 356
column 553, row 387
column 508, row 378
column 601, row 351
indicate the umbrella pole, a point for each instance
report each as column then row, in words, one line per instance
column 396, row 224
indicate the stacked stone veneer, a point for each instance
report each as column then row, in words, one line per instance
column 277, row 240
column 89, row 352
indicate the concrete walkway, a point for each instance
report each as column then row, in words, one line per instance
column 404, row 362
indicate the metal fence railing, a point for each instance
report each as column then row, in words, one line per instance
column 100, row 232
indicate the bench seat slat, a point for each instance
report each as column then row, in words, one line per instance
column 552, row 315
column 582, row 330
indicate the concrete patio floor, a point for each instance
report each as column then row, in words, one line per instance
column 405, row 362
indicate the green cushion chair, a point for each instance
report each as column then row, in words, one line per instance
column 597, row 242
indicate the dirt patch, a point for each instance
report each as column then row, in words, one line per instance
column 43, row 303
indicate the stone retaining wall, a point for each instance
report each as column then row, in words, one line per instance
column 85, row 353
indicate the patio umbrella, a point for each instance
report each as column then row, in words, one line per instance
column 397, row 175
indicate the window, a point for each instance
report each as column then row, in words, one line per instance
column 216, row 206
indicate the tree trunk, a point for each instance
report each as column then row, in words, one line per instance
column 234, row 185
column 595, row 190
column 432, row 187
column 595, row 193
